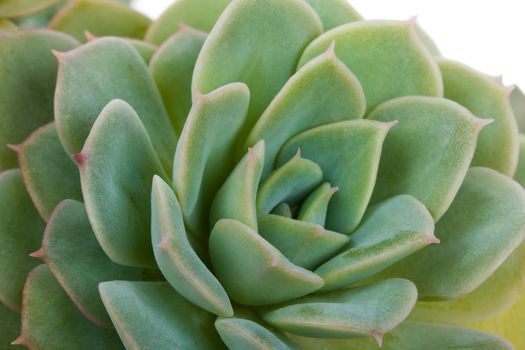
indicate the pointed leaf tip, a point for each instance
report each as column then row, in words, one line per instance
column 379, row 339
column 15, row 147
column 434, row 240
column 19, row 341
column 80, row 159
column 39, row 254
column 59, row 55
column 89, row 36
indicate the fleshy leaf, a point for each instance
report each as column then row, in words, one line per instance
column 517, row 101
column 368, row 311
column 333, row 147
column 237, row 197
column 205, row 152
column 428, row 153
column 259, row 280
column 415, row 336
column 487, row 219
column 323, row 91
column 391, row 230
column 26, row 95
column 304, row 244
column 9, row 327
column 7, row 25
column 19, row 8
column 502, row 289
column 172, row 68
column 243, row 44
column 98, row 72
column 100, row 17
column 242, row 334
column 508, row 324
column 289, row 183
column 176, row 258
column 117, row 165
column 519, row 176
column 334, row 13
column 145, row 49
column 20, row 233
column 50, row 175
column 498, row 143
column 43, row 296
column 387, row 57
column 283, row 209
column 75, row 258
column 151, row 315
column 198, row 14
column 315, row 207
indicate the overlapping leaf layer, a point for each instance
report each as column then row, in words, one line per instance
column 252, row 174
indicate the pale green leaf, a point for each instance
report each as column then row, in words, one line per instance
column 315, row 207
column 21, row 231
column 98, row 72
column 428, row 153
column 28, row 74
column 391, row 231
column 19, row 8
column 334, row 13
column 117, row 165
column 176, row 258
column 265, row 276
column 348, row 153
column 43, row 297
column 257, row 43
column 205, row 152
column 498, row 143
column 323, row 91
column 368, row 311
column 151, row 315
column 387, row 57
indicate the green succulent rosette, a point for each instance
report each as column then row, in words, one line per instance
column 253, row 174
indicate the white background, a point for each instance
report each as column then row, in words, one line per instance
column 487, row 35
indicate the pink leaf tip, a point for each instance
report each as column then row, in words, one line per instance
column 39, row 254
column 17, row 148
column 59, row 55
column 80, row 159
column 19, row 341
column 434, row 240
column 379, row 339
column 89, row 36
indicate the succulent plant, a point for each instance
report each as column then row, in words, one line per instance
column 298, row 178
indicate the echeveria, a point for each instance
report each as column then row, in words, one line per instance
column 252, row 174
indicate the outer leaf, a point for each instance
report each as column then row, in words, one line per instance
column 487, row 203
column 73, row 254
column 387, row 57
column 28, row 74
column 243, row 44
column 498, row 144
column 9, row 327
column 502, row 289
column 176, row 258
column 20, row 233
column 428, row 153
column 50, row 175
column 100, row 17
column 264, row 270
column 82, row 91
column 18, row 8
column 241, row 334
column 205, row 153
column 151, row 315
column 517, row 101
column 333, row 147
column 334, row 13
column 315, row 208
column 7, row 25
column 391, row 231
column 323, row 91
column 289, row 183
column 199, row 14
column 117, row 164
column 172, row 67
column 41, row 18
column 416, row 336
column 304, row 244
column 237, row 197
column 519, row 176
column 43, row 296
column 508, row 324
column 369, row 311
